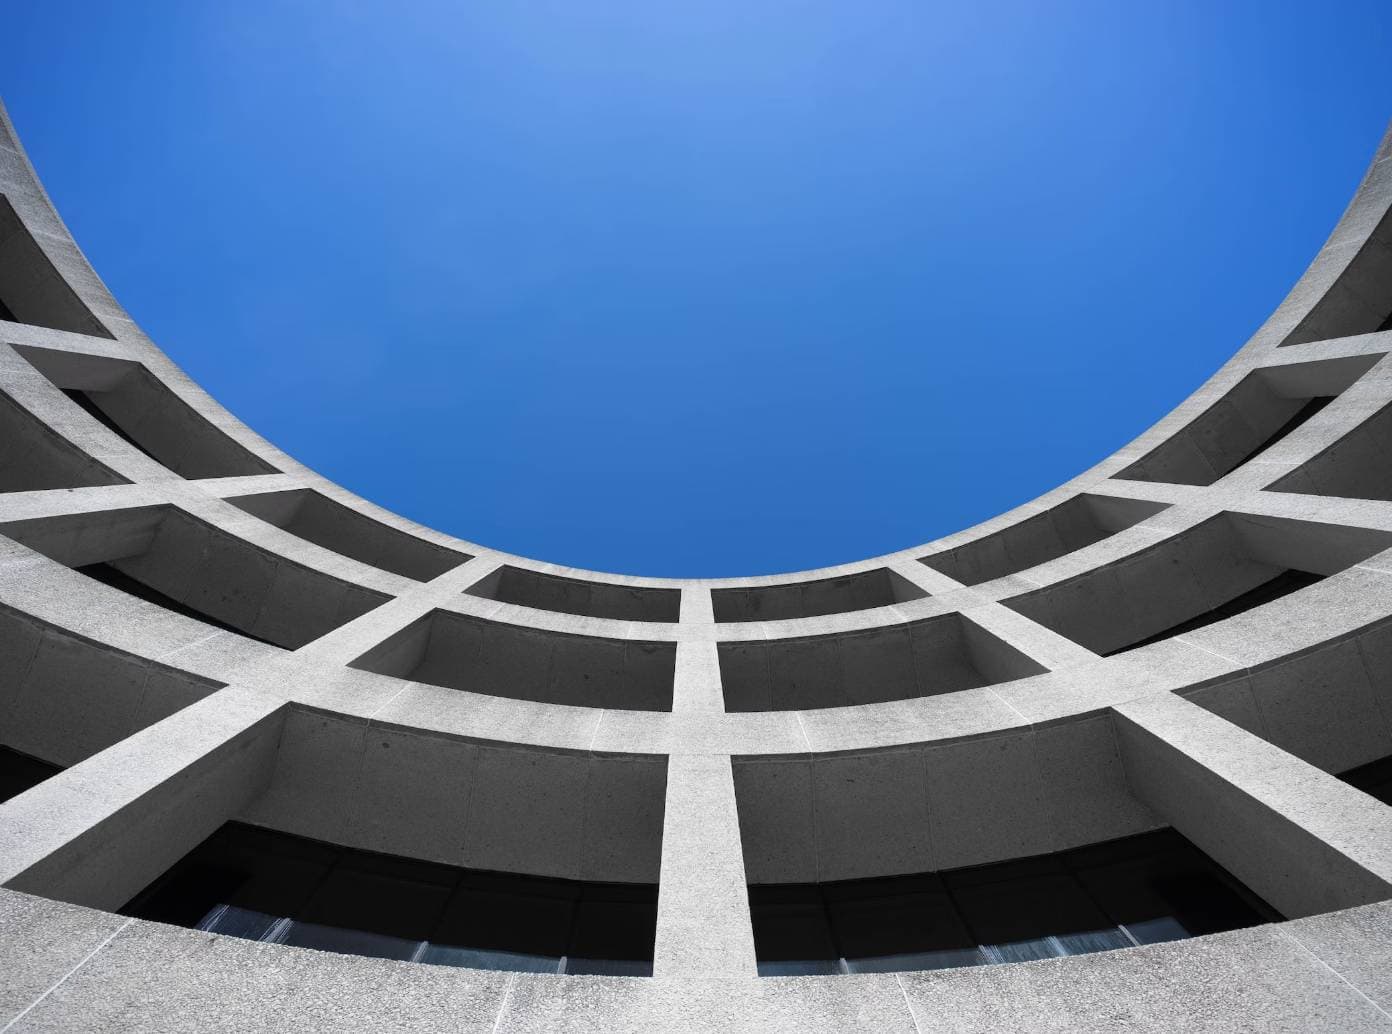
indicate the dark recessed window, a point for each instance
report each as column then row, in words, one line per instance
column 861, row 591
column 1301, row 416
column 167, row 557
column 942, row 654
column 1063, row 529
column 1374, row 779
column 282, row 889
column 117, row 579
column 19, row 772
column 1354, row 466
column 1215, row 570
column 1260, row 410
column 577, row 596
column 35, row 457
column 84, row 400
column 143, row 411
column 319, row 519
column 1140, row 890
column 458, row 651
column 1283, row 584
column 33, row 290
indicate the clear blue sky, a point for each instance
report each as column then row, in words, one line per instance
column 728, row 287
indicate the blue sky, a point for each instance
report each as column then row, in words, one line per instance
column 701, row 289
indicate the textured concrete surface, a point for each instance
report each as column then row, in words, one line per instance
column 75, row 969
column 375, row 683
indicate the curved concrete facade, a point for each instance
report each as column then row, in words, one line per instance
column 1033, row 684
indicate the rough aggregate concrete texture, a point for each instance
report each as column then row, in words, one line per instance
column 378, row 684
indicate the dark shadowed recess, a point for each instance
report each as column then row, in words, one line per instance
column 276, row 888
column 1374, row 779
column 1139, row 890
column 19, row 772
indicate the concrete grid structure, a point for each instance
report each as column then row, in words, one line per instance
column 1034, row 684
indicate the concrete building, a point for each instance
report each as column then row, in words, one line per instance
column 278, row 759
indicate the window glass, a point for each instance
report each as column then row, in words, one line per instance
column 800, row 968
column 231, row 921
column 951, row 958
column 273, row 887
column 1141, row 890
column 479, row 958
column 19, row 772
column 346, row 941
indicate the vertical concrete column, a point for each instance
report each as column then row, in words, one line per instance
column 100, row 831
column 1297, row 836
column 696, row 607
column 697, row 682
column 696, row 687
column 703, row 924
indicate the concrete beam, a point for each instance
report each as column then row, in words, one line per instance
column 1298, row 837
column 97, row 833
column 703, row 922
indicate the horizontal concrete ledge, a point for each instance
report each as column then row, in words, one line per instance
column 74, row 970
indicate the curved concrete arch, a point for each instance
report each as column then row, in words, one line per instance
column 1073, row 671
